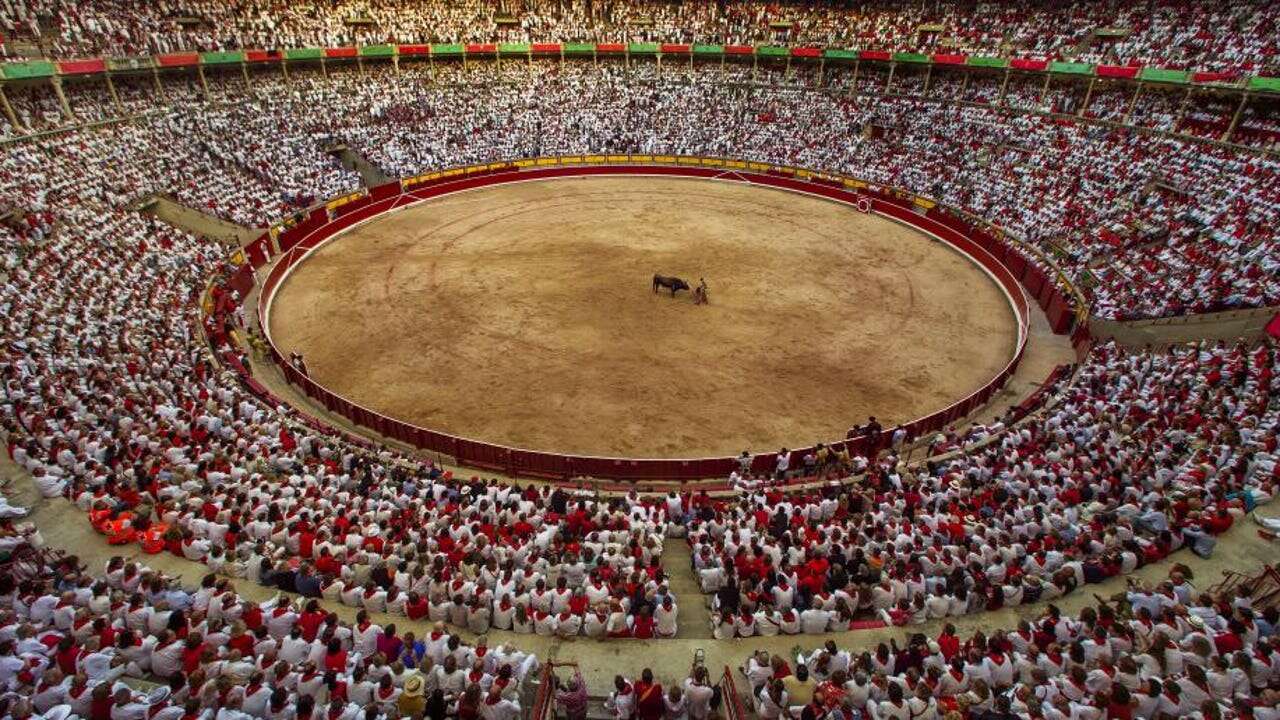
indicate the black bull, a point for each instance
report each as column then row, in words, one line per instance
column 671, row 283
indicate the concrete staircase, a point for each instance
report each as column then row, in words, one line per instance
column 199, row 223
column 695, row 618
column 370, row 175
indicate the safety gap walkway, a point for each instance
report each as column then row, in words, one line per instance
column 694, row 619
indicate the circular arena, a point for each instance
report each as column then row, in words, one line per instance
column 534, row 300
column 397, row 359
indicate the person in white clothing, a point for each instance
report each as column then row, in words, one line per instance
column 698, row 694
column 664, row 616
column 498, row 707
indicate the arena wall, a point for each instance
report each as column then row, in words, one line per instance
column 325, row 223
column 286, row 247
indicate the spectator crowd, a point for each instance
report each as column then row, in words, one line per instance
column 1144, row 225
column 1153, row 653
column 114, row 400
column 1144, row 454
column 78, row 645
column 1232, row 36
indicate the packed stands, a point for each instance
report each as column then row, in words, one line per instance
column 1162, row 651
column 1234, row 36
column 126, row 398
column 1145, row 226
column 1099, row 484
column 81, row 644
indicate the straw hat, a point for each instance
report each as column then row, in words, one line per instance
column 413, row 686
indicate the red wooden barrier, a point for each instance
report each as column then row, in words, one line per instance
column 1006, row 264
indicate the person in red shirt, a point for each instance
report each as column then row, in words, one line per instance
column 1119, row 703
column 241, row 642
column 1217, row 523
column 192, row 652
column 311, row 619
column 68, row 655
column 101, row 702
column 949, row 642
column 1230, row 642
column 306, row 541
column 650, row 704
column 416, row 606
column 326, row 563
column 643, row 625
column 335, row 658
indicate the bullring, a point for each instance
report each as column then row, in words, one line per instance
column 1113, row 173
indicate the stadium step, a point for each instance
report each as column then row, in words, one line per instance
column 694, row 617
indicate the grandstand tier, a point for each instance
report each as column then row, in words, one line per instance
column 242, row 552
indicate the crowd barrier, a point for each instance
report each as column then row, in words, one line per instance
column 734, row 707
column 289, row 246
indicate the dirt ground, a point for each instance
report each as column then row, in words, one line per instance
column 522, row 314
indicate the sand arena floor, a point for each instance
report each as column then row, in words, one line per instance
column 522, row 314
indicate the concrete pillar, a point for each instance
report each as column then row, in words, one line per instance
column 928, row 78
column 1088, row 95
column 244, row 73
column 284, row 68
column 62, row 98
column 889, row 83
column 1004, row 86
column 111, row 88
column 155, row 80
column 204, row 84
column 822, row 71
column 1044, row 90
column 1182, row 110
column 324, row 68
column 8, row 110
column 1133, row 102
column 1235, row 119
column 853, row 86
